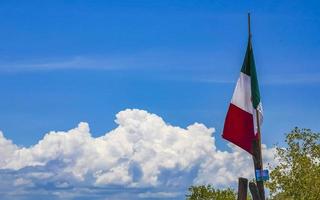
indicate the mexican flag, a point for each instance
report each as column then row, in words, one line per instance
column 241, row 126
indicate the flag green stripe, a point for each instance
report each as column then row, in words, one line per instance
column 247, row 60
column 249, row 68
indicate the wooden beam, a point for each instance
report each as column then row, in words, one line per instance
column 242, row 188
column 254, row 191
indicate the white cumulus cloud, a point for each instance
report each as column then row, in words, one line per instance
column 143, row 151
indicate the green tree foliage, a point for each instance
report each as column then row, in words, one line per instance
column 297, row 177
column 207, row 192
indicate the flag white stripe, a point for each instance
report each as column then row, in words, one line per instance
column 242, row 94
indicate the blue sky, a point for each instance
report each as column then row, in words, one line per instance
column 63, row 62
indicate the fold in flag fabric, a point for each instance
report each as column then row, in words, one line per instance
column 240, row 126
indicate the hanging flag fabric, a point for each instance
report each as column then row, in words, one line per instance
column 240, row 126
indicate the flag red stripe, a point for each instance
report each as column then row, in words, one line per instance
column 238, row 128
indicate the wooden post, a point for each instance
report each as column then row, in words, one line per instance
column 242, row 189
column 254, row 191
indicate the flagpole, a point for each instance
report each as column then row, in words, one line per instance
column 257, row 152
column 249, row 26
column 257, row 159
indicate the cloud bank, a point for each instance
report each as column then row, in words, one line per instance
column 142, row 158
